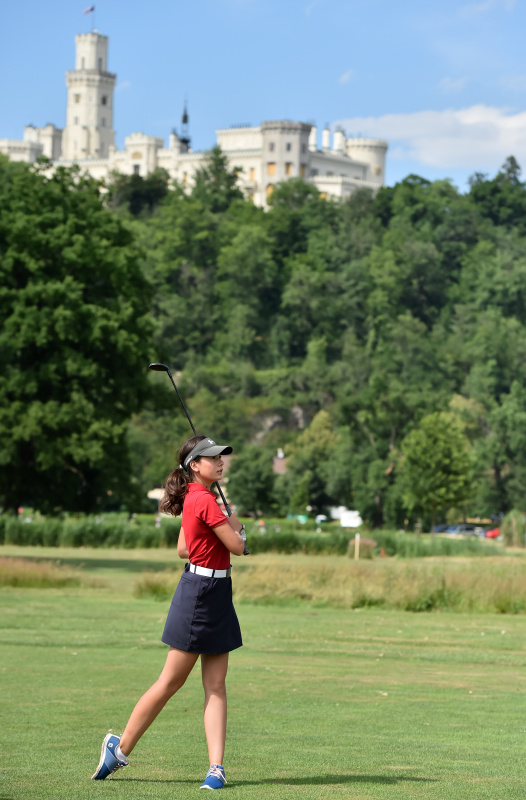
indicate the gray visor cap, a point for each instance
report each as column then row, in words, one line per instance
column 206, row 448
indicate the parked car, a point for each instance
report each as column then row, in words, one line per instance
column 461, row 529
column 494, row 533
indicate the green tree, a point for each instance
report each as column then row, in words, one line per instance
column 501, row 453
column 74, row 342
column 215, row 183
column 310, row 466
column 436, row 469
column 502, row 199
column 250, row 481
column 138, row 194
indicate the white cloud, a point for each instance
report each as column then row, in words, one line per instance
column 478, row 138
column 473, row 9
column 452, row 85
column 346, row 77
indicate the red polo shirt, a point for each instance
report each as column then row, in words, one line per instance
column 200, row 514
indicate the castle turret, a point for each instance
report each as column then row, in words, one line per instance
column 326, row 139
column 339, row 141
column 313, row 139
column 371, row 152
column 89, row 119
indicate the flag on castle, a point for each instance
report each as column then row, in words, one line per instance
column 87, row 10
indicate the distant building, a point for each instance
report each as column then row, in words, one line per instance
column 264, row 155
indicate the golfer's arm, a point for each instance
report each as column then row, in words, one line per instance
column 182, row 549
column 230, row 537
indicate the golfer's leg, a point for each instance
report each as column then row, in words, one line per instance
column 214, row 669
column 177, row 668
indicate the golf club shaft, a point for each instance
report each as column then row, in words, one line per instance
column 158, row 367
column 183, row 405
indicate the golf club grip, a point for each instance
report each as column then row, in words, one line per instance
column 246, row 551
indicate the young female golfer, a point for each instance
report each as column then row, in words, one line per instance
column 202, row 620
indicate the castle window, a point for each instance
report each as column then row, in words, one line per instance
column 270, row 189
column 303, row 148
column 104, row 100
column 314, row 172
column 83, row 63
column 75, row 120
column 288, row 147
column 288, row 168
column 330, row 174
column 76, row 98
column 271, row 168
column 185, row 178
column 252, row 173
column 303, row 170
column 377, row 170
column 103, row 122
column 100, row 64
column 136, row 169
column 271, row 146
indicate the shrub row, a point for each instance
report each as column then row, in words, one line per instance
column 278, row 536
column 283, row 536
column 89, row 531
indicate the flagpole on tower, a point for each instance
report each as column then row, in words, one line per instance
column 91, row 10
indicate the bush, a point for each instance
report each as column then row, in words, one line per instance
column 20, row 573
column 159, row 585
column 366, row 549
column 111, row 530
column 513, row 529
column 275, row 535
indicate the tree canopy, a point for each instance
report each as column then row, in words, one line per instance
column 336, row 331
column 75, row 310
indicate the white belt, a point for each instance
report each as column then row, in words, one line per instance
column 210, row 573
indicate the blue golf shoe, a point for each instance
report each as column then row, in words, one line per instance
column 109, row 763
column 215, row 778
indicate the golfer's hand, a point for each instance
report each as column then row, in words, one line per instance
column 234, row 521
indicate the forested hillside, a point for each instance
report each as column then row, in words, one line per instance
column 381, row 342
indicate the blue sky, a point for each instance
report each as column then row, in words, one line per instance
column 444, row 82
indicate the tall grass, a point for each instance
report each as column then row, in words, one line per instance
column 37, row 574
column 159, row 585
column 487, row 585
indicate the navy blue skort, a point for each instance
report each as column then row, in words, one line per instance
column 202, row 618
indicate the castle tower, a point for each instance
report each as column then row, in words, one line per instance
column 89, row 118
column 372, row 152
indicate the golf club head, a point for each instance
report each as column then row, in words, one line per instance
column 157, row 367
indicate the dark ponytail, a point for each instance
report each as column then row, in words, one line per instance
column 176, row 484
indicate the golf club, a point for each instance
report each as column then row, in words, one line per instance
column 157, row 367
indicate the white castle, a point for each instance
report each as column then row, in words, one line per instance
column 262, row 156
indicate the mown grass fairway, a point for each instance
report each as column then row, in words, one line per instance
column 368, row 704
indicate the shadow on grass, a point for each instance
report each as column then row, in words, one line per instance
column 95, row 564
column 321, row 780
column 313, row 780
